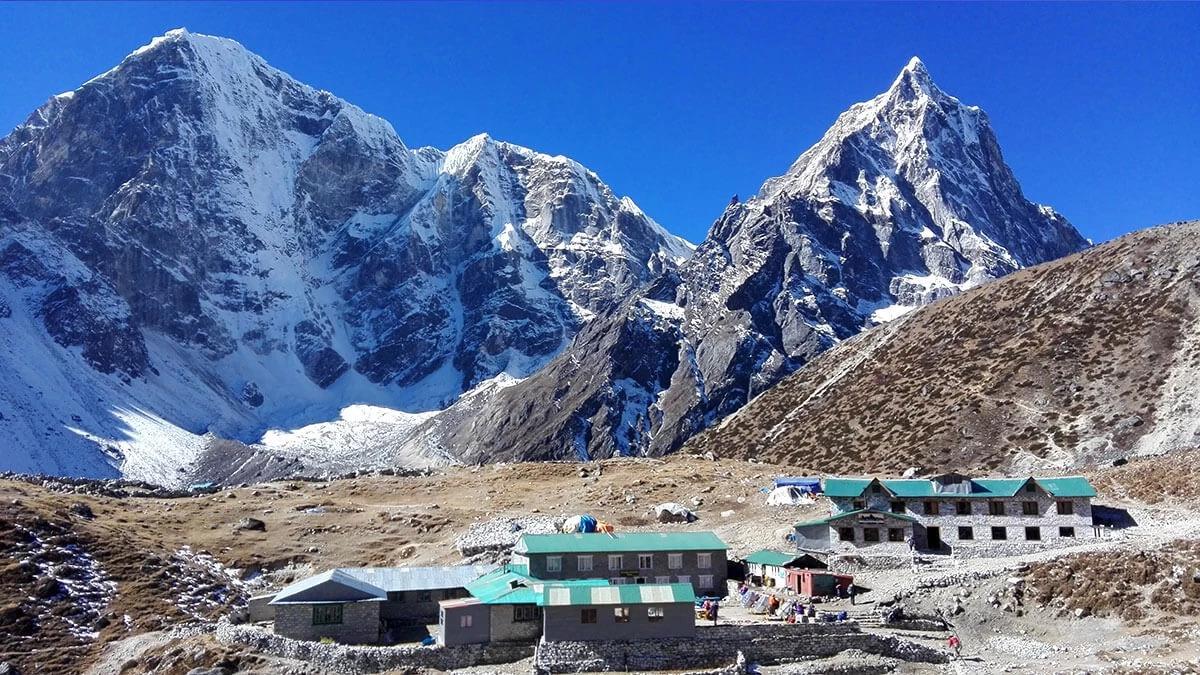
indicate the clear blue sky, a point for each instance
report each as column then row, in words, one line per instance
column 1097, row 107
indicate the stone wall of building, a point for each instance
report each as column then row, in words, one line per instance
column 360, row 623
column 565, row 623
column 505, row 628
column 337, row 658
column 719, row 645
column 626, row 568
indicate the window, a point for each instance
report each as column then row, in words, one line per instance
column 897, row 507
column 931, row 508
column 675, row 561
column 1065, row 508
column 1030, row 487
column 326, row 615
column 523, row 613
column 706, row 582
column 645, row 561
column 846, row 533
column 963, row 508
column 683, row 579
column 966, row 533
column 662, row 580
column 871, row 534
column 621, row 614
column 1066, row 532
column 999, row 533
column 996, row 508
column 615, row 562
column 876, row 489
column 587, row 615
column 396, row 596
column 584, row 563
column 616, row 581
column 704, row 560
column 554, row 563
column 465, row 621
column 425, row 596
column 895, row 534
column 654, row 614
column 1033, row 534
column 640, row 580
column 859, row 505
column 1029, row 508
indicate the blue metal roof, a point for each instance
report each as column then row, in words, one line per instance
column 352, row 584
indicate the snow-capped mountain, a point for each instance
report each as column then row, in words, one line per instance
column 904, row 200
column 195, row 242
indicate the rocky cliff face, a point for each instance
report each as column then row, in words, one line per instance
column 1061, row 367
column 906, row 199
column 195, row 242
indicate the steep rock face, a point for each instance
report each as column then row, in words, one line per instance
column 227, row 249
column 906, row 199
column 1061, row 367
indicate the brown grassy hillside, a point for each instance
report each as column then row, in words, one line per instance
column 1071, row 363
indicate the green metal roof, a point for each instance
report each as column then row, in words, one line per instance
column 845, row 487
column 512, row 586
column 768, row 557
column 626, row 542
column 1067, row 486
column 981, row 488
column 624, row 594
column 839, row 516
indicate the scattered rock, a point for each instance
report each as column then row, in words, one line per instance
column 82, row 510
column 250, row 524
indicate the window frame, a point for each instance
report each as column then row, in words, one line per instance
column 845, row 534
column 1034, row 529
column 1059, row 504
column 589, row 615
column 579, row 563
column 621, row 614
column 1002, row 530
column 897, row 506
column 525, row 613
column 643, row 557
column 466, row 620
column 969, row 530
column 895, row 534
column 674, row 561
column 655, row 614
column 1029, row 508
column 871, row 535
column 933, row 507
column 1063, row 531
column 620, row 561
column 996, row 508
column 554, row 563
column 706, row 582
column 704, row 561
column 328, row 614
column 962, row 508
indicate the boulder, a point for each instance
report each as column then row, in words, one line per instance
column 253, row 524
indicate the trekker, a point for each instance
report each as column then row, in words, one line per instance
column 956, row 645
column 852, row 593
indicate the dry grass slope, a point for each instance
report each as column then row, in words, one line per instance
column 1062, row 365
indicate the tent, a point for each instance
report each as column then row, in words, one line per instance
column 788, row 495
column 803, row 483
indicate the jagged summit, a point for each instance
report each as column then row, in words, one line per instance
column 195, row 241
column 905, row 199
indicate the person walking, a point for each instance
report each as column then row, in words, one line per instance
column 852, row 593
column 956, row 645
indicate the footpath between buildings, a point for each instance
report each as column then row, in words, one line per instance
column 713, row 646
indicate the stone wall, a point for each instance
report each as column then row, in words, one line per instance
column 336, row 658
column 565, row 622
column 719, row 645
column 360, row 623
column 504, row 628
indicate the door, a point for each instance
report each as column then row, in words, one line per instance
column 933, row 538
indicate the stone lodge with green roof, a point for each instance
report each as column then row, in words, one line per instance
column 951, row 513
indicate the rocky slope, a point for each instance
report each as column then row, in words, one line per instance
column 1073, row 363
column 906, row 199
column 195, row 242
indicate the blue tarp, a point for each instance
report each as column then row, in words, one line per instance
column 587, row 524
column 804, row 483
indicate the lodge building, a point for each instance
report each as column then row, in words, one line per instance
column 951, row 511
